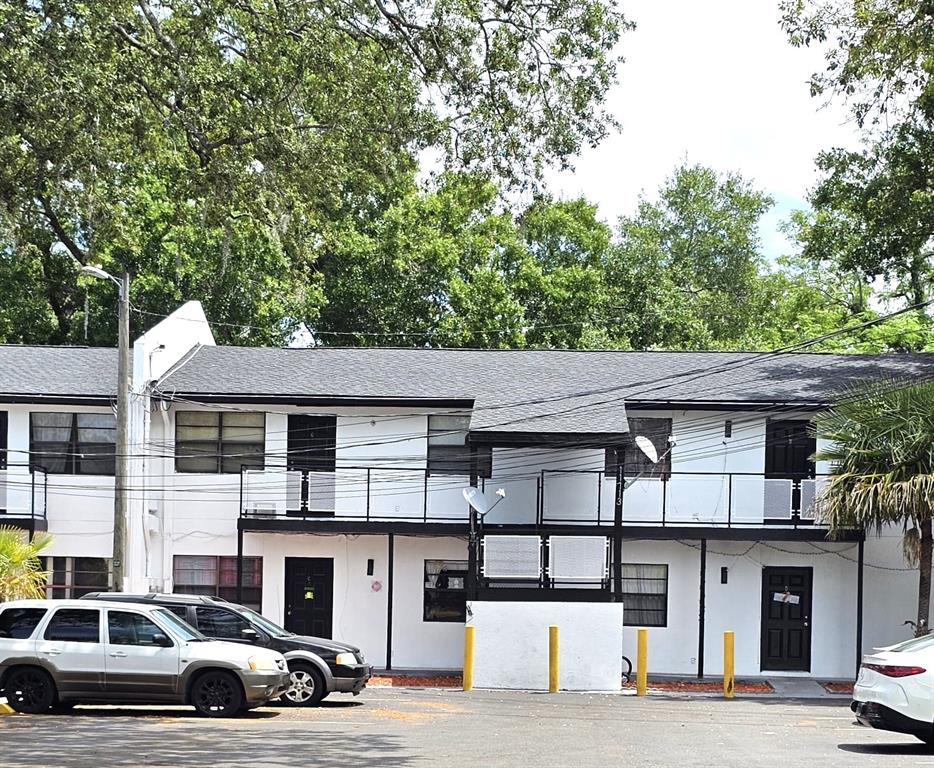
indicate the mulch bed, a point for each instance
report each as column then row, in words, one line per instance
column 838, row 687
column 408, row 681
column 702, row 686
column 684, row 686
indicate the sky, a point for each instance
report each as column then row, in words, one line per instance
column 714, row 82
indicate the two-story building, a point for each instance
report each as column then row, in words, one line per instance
column 325, row 486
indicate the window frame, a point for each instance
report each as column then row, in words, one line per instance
column 221, row 446
column 66, row 587
column 626, row 597
column 73, row 454
column 252, row 579
column 428, row 590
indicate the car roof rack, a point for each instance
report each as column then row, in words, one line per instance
column 166, row 596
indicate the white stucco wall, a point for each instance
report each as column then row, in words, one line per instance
column 511, row 644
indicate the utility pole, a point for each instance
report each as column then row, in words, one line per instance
column 121, row 466
column 122, row 447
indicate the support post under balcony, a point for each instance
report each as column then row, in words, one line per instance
column 702, row 609
column 472, row 540
column 859, row 602
column 618, row 531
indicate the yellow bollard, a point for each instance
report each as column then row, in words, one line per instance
column 469, row 632
column 553, row 664
column 728, row 684
column 642, row 663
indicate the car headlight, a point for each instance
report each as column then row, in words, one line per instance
column 262, row 663
column 346, row 658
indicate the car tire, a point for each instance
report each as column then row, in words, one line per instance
column 308, row 686
column 30, row 690
column 217, row 694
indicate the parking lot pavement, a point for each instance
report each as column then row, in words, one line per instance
column 481, row 729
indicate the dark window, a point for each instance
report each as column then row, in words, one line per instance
column 179, row 610
column 219, row 442
column 445, row 590
column 219, row 622
column 448, row 452
column 312, row 442
column 75, row 625
column 4, row 426
column 131, row 629
column 635, row 462
column 73, row 443
column 74, row 577
column 217, row 577
column 645, row 595
column 20, row 623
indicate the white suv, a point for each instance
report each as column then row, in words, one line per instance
column 56, row 653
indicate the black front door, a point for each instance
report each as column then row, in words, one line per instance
column 309, row 595
column 786, row 619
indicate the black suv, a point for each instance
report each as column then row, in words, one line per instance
column 318, row 666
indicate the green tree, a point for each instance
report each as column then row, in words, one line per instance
column 879, row 53
column 881, row 450
column 208, row 146
column 687, row 265
column 21, row 574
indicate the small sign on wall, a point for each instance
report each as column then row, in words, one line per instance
column 786, row 597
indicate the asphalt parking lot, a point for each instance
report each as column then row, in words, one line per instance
column 413, row 727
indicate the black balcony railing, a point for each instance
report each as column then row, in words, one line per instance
column 532, row 498
column 24, row 495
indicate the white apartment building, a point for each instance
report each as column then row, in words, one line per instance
column 325, row 487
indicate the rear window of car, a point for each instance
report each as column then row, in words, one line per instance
column 75, row 625
column 20, row 623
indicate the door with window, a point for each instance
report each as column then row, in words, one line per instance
column 309, row 595
column 786, row 619
column 137, row 666
column 72, row 644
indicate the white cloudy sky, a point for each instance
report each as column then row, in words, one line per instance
column 717, row 83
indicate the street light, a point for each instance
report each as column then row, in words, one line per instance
column 122, row 446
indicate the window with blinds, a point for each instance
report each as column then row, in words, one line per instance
column 217, row 577
column 211, row 442
column 73, row 443
column 645, row 595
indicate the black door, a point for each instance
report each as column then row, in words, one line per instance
column 309, row 595
column 788, row 450
column 786, row 619
column 312, row 442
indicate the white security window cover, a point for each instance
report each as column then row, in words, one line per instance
column 512, row 557
column 578, row 558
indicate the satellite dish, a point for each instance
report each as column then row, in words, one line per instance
column 479, row 503
column 476, row 500
column 645, row 445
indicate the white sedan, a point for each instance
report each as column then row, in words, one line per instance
column 895, row 689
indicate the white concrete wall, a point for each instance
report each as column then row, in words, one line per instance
column 511, row 644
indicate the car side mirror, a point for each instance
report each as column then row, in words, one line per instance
column 250, row 634
column 163, row 641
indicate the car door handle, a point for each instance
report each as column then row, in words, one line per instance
column 52, row 651
column 118, row 654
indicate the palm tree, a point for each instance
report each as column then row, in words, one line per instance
column 21, row 574
column 881, row 453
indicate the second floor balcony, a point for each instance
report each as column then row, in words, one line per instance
column 24, row 493
column 558, row 498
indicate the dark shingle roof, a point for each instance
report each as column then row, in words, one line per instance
column 534, row 390
column 37, row 373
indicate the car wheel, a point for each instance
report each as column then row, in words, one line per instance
column 217, row 694
column 307, row 689
column 30, row 690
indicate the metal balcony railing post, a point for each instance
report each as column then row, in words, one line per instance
column 729, row 500
column 368, row 494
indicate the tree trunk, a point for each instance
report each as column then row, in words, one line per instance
column 924, row 577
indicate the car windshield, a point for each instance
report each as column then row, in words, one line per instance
column 182, row 628
column 915, row 644
column 265, row 624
